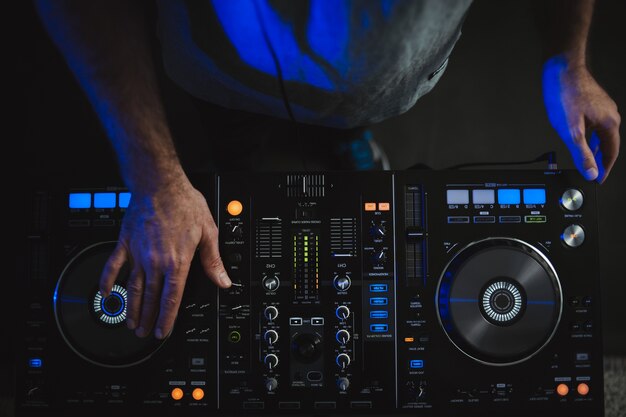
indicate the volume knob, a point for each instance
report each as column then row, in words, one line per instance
column 271, row 337
column 271, row 361
column 343, row 360
column 342, row 336
column 271, row 384
column 342, row 312
column 270, row 313
column 573, row 236
column 572, row 199
column 342, row 283
column 271, row 283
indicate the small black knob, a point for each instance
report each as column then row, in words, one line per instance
column 307, row 347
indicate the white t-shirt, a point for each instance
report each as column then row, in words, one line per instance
column 343, row 63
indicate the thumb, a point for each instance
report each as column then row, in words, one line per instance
column 210, row 257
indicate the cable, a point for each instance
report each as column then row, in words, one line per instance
column 281, row 81
column 549, row 157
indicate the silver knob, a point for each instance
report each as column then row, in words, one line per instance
column 271, row 283
column 343, row 360
column 270, row 313
column 572, row 199
column 573, row 236
column 342, row 336
column 342, row 312
column 271, row 337
column 343, row 384
column 342, row 283
column 271, row 384
column 271, row 361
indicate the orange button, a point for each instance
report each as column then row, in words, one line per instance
column 370, row 206
column 409, row 340
column 562, row 390
column 383, row 206
column 198, row 394
column 583, row 389
column 177, row 394
column 234, row 208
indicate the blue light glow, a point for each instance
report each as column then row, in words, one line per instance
column 119, row 310
column 378, row 287
column 463, row 300
column 80, row 200
column 379, row 328
column 509, row 196
column 534, row 196
column 104, row 200
column 378, row 301
column 379, row 314
column 35, row 363
column 416, row 364
column 124, row 200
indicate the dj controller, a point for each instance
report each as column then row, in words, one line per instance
column 430, row 293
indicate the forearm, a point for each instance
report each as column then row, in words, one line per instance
column 564, row 27
column 107, row 47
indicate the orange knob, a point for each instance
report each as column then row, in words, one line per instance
column 562, row 390
column 234, row 208
column 583, row 389
column 177, row 394
column 198, row 394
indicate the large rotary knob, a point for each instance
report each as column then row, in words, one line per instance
column 342, row 360
column 271, row 337
column 573, row 236
column 271, row 283
column 342, row 312
column 342, row 336
column 270, row 313
column 572, row 199
column 271, row 361
column 342, row 282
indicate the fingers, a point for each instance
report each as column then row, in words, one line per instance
column 150, row 302
column 134, row 286
column 581, row 153
column 609, row 143
column 210, row 257
column 170, row 299
column 112, row 268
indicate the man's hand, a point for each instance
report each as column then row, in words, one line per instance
column 159, row 237
column 578, row 106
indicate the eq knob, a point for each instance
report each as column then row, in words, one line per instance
column 236, row 231
column 271, row 283
column 342, row 312
column 573, row 236
column 271, row 337
column 271, row 384
column 270, row 313
column 572, row 199
column 342, row 282
column 377, row 231
column 342, row 336
column 379, row 257
column 343, row 384
column 343, row 360
column 271, row 361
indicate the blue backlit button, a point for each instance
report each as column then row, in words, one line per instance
column 509, row 196
column 416, row 364
column 104, row 200
column 534, row 196
column 379, row 328
column 35, row 363
column 124, row 200
column 378, row 287
column 378, row 301
column 80, row 200
column 483, row 197
column 379, row 314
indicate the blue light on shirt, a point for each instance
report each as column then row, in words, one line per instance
column 80, row 200
column 104, row 200
column 534, row 196
column 124, row 200
column 509, row 196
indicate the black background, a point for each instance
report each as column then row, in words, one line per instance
column 487, row 106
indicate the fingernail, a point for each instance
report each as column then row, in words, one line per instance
column 141, row 332
column 591, row 173
column 158, row 333
column 130, row 323
column 225, row 280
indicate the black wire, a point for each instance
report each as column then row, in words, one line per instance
column 550, row 157
column 281, row 83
